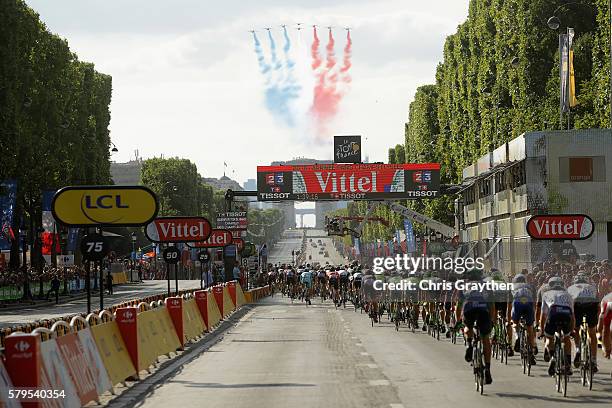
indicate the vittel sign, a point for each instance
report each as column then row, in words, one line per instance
column 178, row 229
column 561, row 226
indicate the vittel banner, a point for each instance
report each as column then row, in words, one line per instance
column 562, row 226
column 348, row 182
column 178, row 229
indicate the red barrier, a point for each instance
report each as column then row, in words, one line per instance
column 218, row 293
column 175, row 309
column 231, row 287
column 202, row 302
column 78, row 367
column 126, row 321
column 24, row 362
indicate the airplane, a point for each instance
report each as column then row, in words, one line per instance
column 347, row 28
column 252, row 31
column 268, row 28
column 314, row 26
column 283, row 25
column 298, row 26
column 329, row 27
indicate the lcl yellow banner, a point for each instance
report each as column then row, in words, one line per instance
column 79, row 206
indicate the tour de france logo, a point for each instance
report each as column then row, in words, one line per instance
column 347, row 149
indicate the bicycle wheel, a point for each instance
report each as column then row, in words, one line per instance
column 523, row 348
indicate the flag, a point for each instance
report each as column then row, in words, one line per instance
column 8, row 200
column 567, row 86
column 410, row 242
column 49, row 236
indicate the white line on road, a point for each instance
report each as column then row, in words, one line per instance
column 368, row 365
column 379, row 382
column 363, row 353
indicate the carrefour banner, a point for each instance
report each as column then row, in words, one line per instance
column 348, row 182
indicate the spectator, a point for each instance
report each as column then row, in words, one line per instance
column 109, row 282
column 139, row 272
column 236, row 271
column 55, row 285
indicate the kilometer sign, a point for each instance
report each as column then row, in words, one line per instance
column 178, row 229
column 348, row 182
column 562, row 226
column 218, row 238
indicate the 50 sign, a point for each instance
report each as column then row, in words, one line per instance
column 94, row 247
column 172, row 255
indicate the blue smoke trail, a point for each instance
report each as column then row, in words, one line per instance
column 263, row 66
column 286, row 49
column 277, row 64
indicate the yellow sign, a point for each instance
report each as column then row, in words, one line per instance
column 78, row 206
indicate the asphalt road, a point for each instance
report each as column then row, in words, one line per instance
column 121, row 294
column 287, row 354
column 281, row 251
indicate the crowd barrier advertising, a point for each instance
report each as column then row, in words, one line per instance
column 168, row 341
column 231, row 288
column 78, row 367
column 201, row 298
column 192, row 320
column 149, row 345
column 214, row 314
column 240, row 299
column 218, row 294
column 126, row 322
column 175, row 309
column 96, row 365
column 5, row 386
column 113, row 351
column 228, row 305
column 57, row 377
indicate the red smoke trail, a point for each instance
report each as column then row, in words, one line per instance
column 347, row 63
column 326, row 99
column 316, row 58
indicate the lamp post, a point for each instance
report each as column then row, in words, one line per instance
column 133, row 256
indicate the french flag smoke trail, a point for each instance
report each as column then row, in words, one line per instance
column 316, row 57
column 263, row 66
column 279, row 91
column 289, row 62
column 347, row 63
column 275, row 62
column 326, row 98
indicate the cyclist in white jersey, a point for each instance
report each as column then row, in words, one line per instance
column 557, row 313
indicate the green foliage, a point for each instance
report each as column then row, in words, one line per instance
column 178, row 186
column 265, row 226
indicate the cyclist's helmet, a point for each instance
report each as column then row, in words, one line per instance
column 556, row 283
column 580, row 278
column 520, row 278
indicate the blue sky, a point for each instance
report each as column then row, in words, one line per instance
column 186, row 80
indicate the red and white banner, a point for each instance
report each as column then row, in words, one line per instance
column 239, row 242
column 56, row 376
column 178, row 229
column 562, row 226
column 96, row 366
column 218, row 238
column 348, row 182
column 77, row 364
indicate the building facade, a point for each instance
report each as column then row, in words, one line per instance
column 551, row 172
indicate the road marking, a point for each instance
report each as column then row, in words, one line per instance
column 380, row 382
column 368, row 365
column 363, row 353
column 354, row 337
column 359, row 344
column 396, row 405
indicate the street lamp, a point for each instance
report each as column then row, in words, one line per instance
column 133, row 256
column 114, row 149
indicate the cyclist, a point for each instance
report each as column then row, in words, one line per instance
column 306, row 279
column 321, row 281
column 473, row 307
column 290, row 280
column 501, row 304
column 586, row 305
column 557, row 305
column 370, row 295
column 334, row 283
column 605, row 323
column 344, row 282
column 523, row 296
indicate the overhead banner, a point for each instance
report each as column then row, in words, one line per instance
column 115, row 206
column 348, row 182
column 347, row 149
